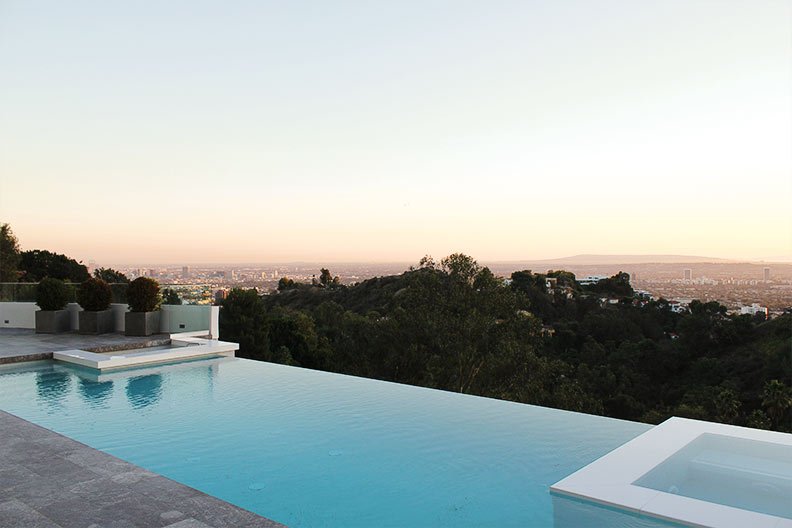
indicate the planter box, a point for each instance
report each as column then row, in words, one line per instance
column 52, row 321
column 141, row 323
column 97, row 322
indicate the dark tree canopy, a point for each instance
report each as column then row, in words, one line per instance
column 285, row 283
column 9, row 255
column 171, row 297
column 37, row 264
column 618, row 285
column 326, row 279
column 110, row 276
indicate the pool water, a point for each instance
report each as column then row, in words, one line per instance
column 310, row 448
column 739, row 472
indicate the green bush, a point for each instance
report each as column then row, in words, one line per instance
column 143, row 295
column 52, row 294
column 171, row 296
column 94, row 295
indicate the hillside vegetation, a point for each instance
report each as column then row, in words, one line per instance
column 536, row 338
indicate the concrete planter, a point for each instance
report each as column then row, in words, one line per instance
column 141, row 323
column 52, row 321
column 97, row 322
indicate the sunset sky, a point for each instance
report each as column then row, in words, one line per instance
column 236, row 131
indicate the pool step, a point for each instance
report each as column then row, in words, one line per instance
column 182, row 347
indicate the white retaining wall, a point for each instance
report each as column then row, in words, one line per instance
column 18, row 314
column 173, row 319
column 189, row 318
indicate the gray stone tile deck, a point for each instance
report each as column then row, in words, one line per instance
column 17, row 344
column 50, row 481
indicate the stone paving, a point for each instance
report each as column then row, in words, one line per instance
column 50, row 481
column 18, row 344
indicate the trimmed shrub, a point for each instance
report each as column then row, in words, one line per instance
column 171, row 296
column 143, row 295
column 94, row 295
column 52, row 294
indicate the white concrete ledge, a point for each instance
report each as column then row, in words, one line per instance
column 181, row 348
column 613, row 479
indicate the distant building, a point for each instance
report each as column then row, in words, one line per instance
column 687, row 274
column 229, row 275
column 91, row 267
column 591, row 279
column 152, row 272
column 754, row 309
column 185, row 272
column 677, row 307
column 220, row 296
column 766, row 274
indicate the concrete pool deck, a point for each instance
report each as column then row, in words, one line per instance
column 50, row 481
column 17, row 344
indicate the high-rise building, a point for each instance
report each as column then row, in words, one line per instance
column 185, row 272
column 766, row 274
column 688, row 274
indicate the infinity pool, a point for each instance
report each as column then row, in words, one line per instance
column 310, row 449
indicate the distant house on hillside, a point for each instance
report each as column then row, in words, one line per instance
column 591, row 279
column 754, row 309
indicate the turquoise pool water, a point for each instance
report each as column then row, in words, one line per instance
column 311, row 449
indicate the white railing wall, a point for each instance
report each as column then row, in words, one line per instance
column 18, row 314
column 173, row 319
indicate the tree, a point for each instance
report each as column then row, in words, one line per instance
column 727, row 406
column 38, row 263
column 171, row 296
column 326, row 279
column 243, row 320
column 111, row 276
column 285, row 283
column 566, row 279
column 295, row 331
column 9, row 255
column 777, row 401
column 458, row 326
column 460, row 267
column 426, row 262
column 618, row 285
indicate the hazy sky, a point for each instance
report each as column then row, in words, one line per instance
column 193, row 131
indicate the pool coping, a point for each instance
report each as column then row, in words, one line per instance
column 52, row 481
column 610, row 479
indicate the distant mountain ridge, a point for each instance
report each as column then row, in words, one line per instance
column 586, row 259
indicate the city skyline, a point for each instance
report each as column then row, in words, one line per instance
column 194, row 132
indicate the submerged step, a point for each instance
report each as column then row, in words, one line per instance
column 180, row 348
